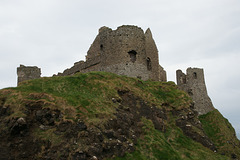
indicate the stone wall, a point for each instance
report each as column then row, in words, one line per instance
column 28, row 72
column 194, row 84
column 124, row 51
column 81, row 66
column 163, row 74
column 152, row 57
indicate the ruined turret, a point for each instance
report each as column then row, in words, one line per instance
column 28, row 72
column 124, row 51
column 194, row 84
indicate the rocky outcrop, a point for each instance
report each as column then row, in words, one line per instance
column 187, row 120
column 21, row 137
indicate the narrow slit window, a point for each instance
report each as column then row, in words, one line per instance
column 149, row 64
column 101, row 47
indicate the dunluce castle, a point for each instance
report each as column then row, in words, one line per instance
column 131, row 52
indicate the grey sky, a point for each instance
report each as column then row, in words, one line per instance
column 53, row 34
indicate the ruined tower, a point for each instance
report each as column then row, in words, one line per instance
column 28, row 72
column 124, row 51
column 194, row 84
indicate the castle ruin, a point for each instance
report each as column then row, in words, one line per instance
column 194, row 84
column 27, row 73
column 124, row 51
column 131, row 52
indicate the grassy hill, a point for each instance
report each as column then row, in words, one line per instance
column 105, row 116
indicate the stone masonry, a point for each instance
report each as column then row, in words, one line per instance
column 124, row 51
column 28, row 72
column 131, row 52
column 194, row 84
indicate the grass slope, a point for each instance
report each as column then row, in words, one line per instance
column 221, row 132
column 89, row 97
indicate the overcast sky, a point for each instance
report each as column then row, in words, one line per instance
column 53, row 34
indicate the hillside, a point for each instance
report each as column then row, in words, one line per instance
column 105, row 116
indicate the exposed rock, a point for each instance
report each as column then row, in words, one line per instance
column 81, row 126
column 19, row 126
column 112, row 140
column 192, row 127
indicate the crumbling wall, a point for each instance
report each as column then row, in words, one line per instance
column 124, row 51
column 28, row 72
column 92, row 64
column 194, row 84
column 152, row 59
column 163, row 74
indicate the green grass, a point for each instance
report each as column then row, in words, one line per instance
column 171, row 145
column 89, row 97
column 83, row 93
column 221, row 132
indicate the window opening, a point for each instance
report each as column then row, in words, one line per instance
column 195, row 75
column 149, row 64
column 132, row 55
column 101, row 47
column 182, row 80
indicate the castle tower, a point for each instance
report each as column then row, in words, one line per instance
column 124, row 51
column 194, row 84
column 28, row 72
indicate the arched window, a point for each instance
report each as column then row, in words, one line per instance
column 132, row 55
column 149, row 64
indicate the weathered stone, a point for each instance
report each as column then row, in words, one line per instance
column 42, row 127
column 28, row 72
column 19, row 126
column 21, row 121
column 194, row 84
column 124, row 51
